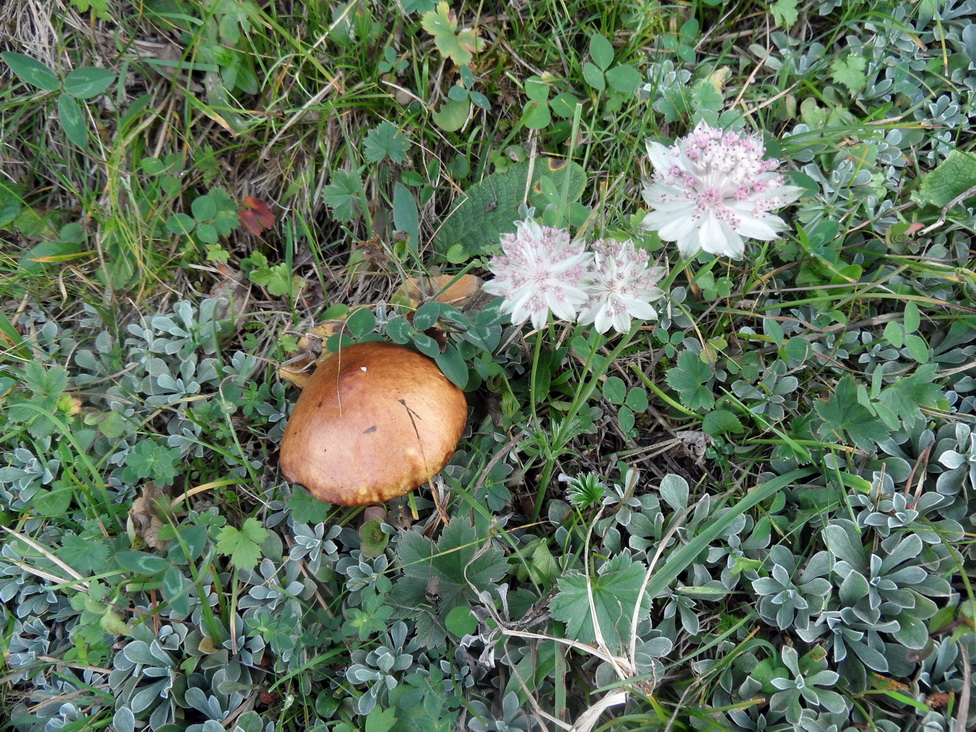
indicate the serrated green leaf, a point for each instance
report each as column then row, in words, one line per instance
column 615, row 590
column 86, row 83
column 785, row 13
column 849, row 71
column 688, row 378
column 459, row 46
column 344, row 195
column 844, row 416
column 242, row 545
column 906, row 397
column 86, row 556
column 385, row 142
column 31, row 71
column 305, row 508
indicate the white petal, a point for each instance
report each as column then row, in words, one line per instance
column 678, row 228
column 659, row 155
column 764, row 229
column 714, row 238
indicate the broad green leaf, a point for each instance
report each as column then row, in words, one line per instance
column 721, row 421
column 32, row 71
column 564, row 105
column 601, row 51
column 490, row 208
column 954, row 176
column 141, row 562
column 204, row 208
column 452, row 364
column 86, row 83
column 52, row 501
column 180, row 223
column 624, row 79
column 536, row 115
column 174, row 592
column 460, row 621
column 406, row 218
column 637, row 399
column 452, row 116
column 913, row 317
column 207, row 233
column 361, row 322
column 73, row 121
column 614, row 390
column 594, row 76
column 536, row 89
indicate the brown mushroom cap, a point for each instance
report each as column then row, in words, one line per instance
column 373, row 422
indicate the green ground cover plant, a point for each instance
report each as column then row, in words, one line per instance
column 719, row 471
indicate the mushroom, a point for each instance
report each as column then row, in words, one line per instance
column 373, row 422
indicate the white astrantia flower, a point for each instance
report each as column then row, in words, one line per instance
column 622, row 286
column 712, row 190
column 540, row 270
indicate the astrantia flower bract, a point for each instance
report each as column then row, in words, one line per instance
column 712, row 190
column 622, row 287
column 540, row 270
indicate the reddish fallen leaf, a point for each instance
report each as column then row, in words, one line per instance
column 256, row 216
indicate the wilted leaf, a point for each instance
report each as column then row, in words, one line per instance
column 459, row 46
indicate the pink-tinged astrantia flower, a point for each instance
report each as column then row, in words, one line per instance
column 712, row 190
column 622, row 286
column 540, row 270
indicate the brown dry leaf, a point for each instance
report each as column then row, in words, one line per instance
column 231, row 294
column 448, row 289
column 311, row 351
column 143, row 524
